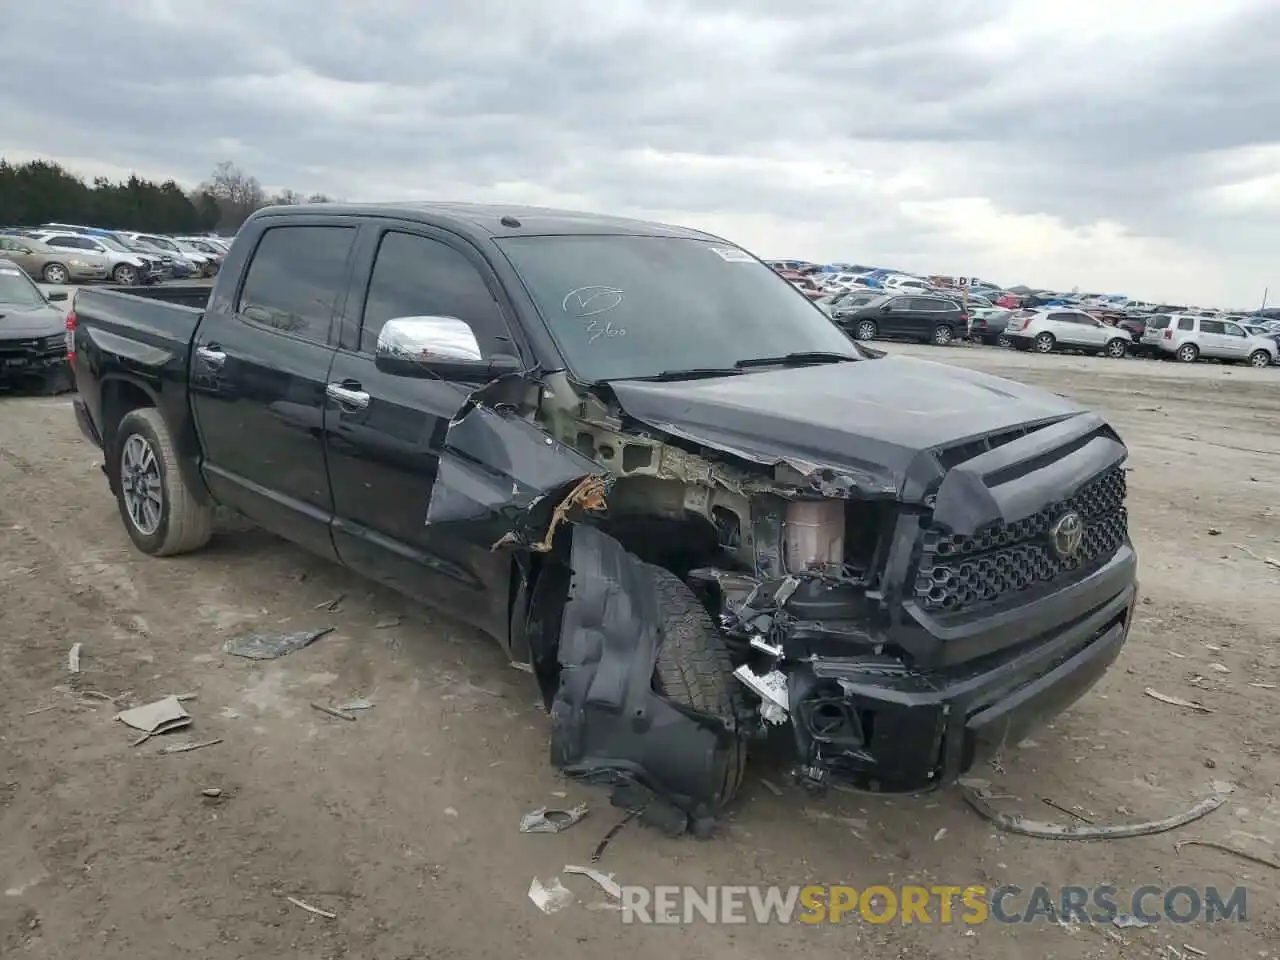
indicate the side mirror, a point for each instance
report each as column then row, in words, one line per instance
column 57, row 296
column 887, row 308
column 437, row 347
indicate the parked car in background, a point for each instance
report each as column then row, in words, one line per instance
column 176, row 268
column 206, row 246
column 1190, row 338
column 122, row 266
column 1047, row 329
column 987, row 325
column 901, row 283
column 854, row 300
column 925, row 319
column 42, row 262
column 200, row 264
column 33, row 332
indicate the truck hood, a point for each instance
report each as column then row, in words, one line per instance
column 23, row 321
column 868, row 419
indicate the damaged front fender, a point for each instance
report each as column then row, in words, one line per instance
column 609, row 724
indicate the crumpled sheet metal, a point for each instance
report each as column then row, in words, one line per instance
column 589, row 495
column 608, row 724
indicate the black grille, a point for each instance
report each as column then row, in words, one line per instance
column 961, row 572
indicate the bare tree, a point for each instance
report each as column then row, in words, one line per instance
column 237, row 193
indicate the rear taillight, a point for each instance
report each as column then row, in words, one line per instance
column 71, row 337
column 1168, row 333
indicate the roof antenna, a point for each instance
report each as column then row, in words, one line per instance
column 509, row 221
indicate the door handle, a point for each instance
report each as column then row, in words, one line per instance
column 348, row 396
column 211, row 355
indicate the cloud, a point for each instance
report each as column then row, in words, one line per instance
column 1106, row 144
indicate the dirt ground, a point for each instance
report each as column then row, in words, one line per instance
column 404, row 823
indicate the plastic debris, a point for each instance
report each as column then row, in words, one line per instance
column 341, row 715
column 1272, row 561
column 1125, row 921
column 1227, row 848
column 613, row 832
column 189, row 745
column 156, row 718
column 1176, row 701
column 269, row 646
column 73, row 658
column 213, row 793
column 310, row 909
column 604, row 881
column 331, row 605
column 548, row 820
column 387, row 624
column 550, row 898
column 359, row 703
column 1013, row 823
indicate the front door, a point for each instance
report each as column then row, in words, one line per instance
column 1235, row 341
column 259, row 366
column 385, row 448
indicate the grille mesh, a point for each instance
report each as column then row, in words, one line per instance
column 961, row 572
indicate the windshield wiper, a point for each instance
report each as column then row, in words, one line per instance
column 802, row 358
column 693, row 373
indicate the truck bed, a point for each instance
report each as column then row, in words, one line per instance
column 186, row 294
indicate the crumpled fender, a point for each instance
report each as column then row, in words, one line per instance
column 608, row 723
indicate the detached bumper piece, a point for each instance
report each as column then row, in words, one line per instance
column 609, row 726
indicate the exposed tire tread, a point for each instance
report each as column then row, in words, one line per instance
column 693, row 665
column 189, row 524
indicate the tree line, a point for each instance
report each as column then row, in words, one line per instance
column 41, row 191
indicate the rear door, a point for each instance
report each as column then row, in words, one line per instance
column 1213, row 339
column 384, row 450
column 260, row 363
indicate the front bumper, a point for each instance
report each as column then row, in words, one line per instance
column 877, row 723
column 31, row 357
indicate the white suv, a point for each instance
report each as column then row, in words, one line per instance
column 1048, row 329
column 1189, row 338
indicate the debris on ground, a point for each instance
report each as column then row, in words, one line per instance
column 1263, row 686
column 1227, row 848
column 548, row 820
column 1257, row 556
column 1071, row 813
column 550, row 898
column 613, row 832
column 32, row 713
column 387, row 624
column 1125, row 921
column 604, row 881
column 213, row 793
column 1013, row 823
column 269, row 646
column 358, row 703
column 940, row 834
column 333, row 712
column 188, row 746
column 1176, row 701
column 156, row 718
column 310, row 909
column 771, row 787
column 73, row 658
column 331, row 605
column 523, row 667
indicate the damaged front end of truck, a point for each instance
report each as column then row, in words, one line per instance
column 889, row 609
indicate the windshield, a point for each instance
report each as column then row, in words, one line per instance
column 16, row 288
column 111, row 244
column 162, row 243
column 623, row 306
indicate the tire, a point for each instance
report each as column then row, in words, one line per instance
column 943, row 335
column 1116, row 348
column 1003, row 341
column 1188, row 353
column 126, row 274
column 55, row 273
column 1259, row 358
column 693, row 666
column 1045, row 343
column 865, row 330
column 181, row 523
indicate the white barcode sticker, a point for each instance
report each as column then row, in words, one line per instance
column 733, row 255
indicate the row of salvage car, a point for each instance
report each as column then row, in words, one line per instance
column 940, row 320
column 59, row 253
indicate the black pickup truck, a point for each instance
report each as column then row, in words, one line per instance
column 659, row 476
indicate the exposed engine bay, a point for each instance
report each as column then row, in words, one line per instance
column 802, row 565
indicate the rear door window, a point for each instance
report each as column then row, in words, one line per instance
column 1185, row 323
column 296, row 279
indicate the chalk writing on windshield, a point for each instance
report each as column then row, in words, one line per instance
column 588, row 303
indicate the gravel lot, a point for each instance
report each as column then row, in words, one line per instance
column 404, row 823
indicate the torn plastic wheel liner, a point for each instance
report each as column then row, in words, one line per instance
column 609, row 724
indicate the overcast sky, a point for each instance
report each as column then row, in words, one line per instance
column 1116, row 145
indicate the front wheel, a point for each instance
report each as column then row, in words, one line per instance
column 943, row 335
column 1188, row 353
column 55, row 273
column 160, row 513
column 126, row 275
column 1116, row 348
column 865, row 330
column 1259, row 358
column 693, row 667
column 1045, row 343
